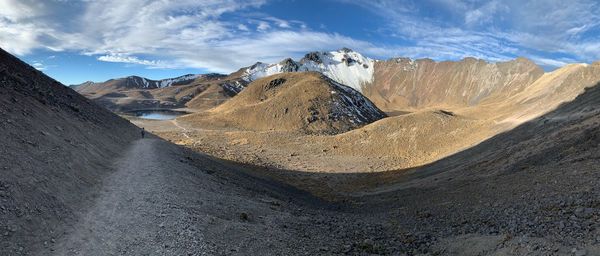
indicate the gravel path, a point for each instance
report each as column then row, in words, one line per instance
column 162, row 199
column 134, row 213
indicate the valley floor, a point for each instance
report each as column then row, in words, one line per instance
column 482, row 201
column 165, row 200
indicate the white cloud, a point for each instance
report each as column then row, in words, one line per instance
column 15, row 10
column 122, row 58
column 263, row 26
column 484, row 14
column 279, row 22
column 243, row 27
column 196, row 34
column 550, row 62
column 494, row 29
column 39, row 66
column 168, row 33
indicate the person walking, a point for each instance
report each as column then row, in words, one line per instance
column 143, row 132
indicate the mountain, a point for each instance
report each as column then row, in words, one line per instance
column 134, row 93
column 542, row 96
column 395, row 84
column 131, row 82
column 506, row 93
column 78, row 180
column 308, row 102
column 435, row 109
column 344, row 66
column 403, row 83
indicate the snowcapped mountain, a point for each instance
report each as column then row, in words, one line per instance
column 143, row 83
column 344, row 66
column 177, row 80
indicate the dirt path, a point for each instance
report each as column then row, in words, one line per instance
column 184, row 130
column 136, row 211
column 162, row 199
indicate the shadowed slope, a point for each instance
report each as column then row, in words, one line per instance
column 54, row 146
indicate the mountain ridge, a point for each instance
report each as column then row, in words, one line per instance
column 134, row 81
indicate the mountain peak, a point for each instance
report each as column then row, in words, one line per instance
column 345, row 50
column 312, row 56
column 343, row 66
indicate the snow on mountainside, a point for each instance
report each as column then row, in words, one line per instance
column 177, row 80
column 343, row 66
column 142, row 82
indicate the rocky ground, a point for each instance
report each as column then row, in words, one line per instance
column 528, row 191
column 79, row 180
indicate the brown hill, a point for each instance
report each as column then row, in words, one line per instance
column 406, row 84
column 542, row 96
column 306, row 101
column 134, row 93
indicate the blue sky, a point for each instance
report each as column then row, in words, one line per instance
column 75, row 41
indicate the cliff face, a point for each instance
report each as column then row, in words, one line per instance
column 408, row 84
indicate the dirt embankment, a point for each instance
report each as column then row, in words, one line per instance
column 54, row 149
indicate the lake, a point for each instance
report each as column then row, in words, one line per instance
column 157, row 114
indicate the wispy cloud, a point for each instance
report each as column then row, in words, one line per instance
column 39, row 66
column 222, row 35
column 495, row 29
column 122, row 58
column 263, row 26
column 243, row 27
column 169, row 34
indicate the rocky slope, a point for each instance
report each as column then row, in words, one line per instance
column 54, row 146
column 78, row 180
column 544, row 95
column 413, row 84
column 537, row 180
column 308, row 102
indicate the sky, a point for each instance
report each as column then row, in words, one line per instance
column 85, row 40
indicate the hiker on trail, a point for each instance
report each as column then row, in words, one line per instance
column 143, row 132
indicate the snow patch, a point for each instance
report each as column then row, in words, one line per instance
column 343, row 66
column 168, row 82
